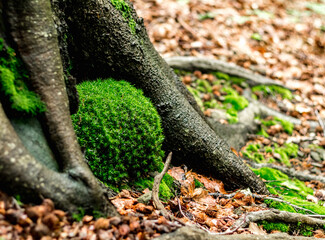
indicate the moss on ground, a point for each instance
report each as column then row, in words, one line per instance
column 233, row 103
column 126, row 11
column 267, row 90
column 13, row 79
column 120, row 131
column 166, row 186
column 286, row 125
column 290, row 190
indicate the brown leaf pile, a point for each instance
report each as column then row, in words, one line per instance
column 282, row 40
column 45, row 222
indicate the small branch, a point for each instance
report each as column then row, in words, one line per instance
column 278, row 216
column 155, row 190
column 236, row 226
column 186, row 27
column 321, row 123
column 302, row 176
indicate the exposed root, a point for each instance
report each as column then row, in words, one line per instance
column 208, row 64
column 255, row 108
column 278, row 216
column 302, row 176
column 155, row 189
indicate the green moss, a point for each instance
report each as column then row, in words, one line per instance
column 269, row 226
column 198, row 184
column 287, row 126
column 263, row 133
column 165, row 188
column 288, row 151
column 270, row 174
column 252, row 152
column 233, row 103
column 273, row 90
column 205, row 85
column 299, row 228
column 13, row 78
column 293, row 191
column 221, row 75
column 126, row 11
column 120, row 131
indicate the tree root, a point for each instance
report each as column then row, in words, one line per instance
column 253, row 79
column 155, row 190
column 278, row 216
column 208, row 64
column 256, row 108
column 302, row 176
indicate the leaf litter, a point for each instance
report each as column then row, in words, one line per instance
column 282, row 41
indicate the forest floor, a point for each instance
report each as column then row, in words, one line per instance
column 283, row 40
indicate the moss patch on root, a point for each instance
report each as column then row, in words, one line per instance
column 267, row 90
column 126, row 11
column 13, row 83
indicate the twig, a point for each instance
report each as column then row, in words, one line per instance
column 315, row 216
column 321, row 123
column 276, row 216
column 186, row 27
column 155, row 190
column 283, row 201
column 265, row 198
column 237, row 226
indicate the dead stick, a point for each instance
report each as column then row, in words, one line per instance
column 321, row 123
column 278, row 216
column 155, row 189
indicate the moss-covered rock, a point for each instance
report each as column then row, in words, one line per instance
column 120, row 131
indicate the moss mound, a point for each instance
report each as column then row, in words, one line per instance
column 13, row 79
column 120, row 131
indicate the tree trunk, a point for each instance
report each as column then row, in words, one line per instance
column 31, row 26
column 105, row 46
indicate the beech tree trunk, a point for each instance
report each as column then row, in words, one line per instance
column 100, row 44
column 32, row 29
column 104, row 45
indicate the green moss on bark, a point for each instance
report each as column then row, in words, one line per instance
column 13, row 78
column 126, row 11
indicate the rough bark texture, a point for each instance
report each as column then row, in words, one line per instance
column 107, row 47
column 21, row 174
column 32, row 29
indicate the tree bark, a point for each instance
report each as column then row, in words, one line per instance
column 21, row 174
column 107, row 47
column 32, row 29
